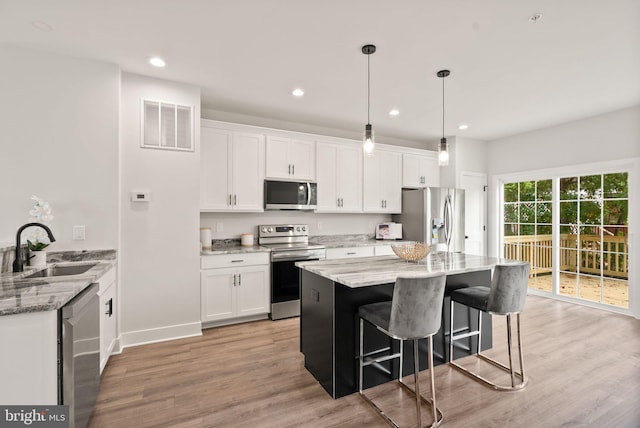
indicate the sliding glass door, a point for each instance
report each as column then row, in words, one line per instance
column 591, row 236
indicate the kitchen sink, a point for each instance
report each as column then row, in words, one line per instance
column 62, row 271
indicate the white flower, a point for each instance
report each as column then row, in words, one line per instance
column 40, row 213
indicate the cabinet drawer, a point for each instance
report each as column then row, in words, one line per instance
column 234, row 260
column 384, row 250
column 349, row 252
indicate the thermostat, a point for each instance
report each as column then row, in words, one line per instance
column 140, row 196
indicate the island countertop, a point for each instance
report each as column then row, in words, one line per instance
column 366, row 271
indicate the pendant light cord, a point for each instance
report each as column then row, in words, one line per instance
column 443, row 107
column 368, row 86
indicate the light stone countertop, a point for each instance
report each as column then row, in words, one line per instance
column 367, row 271
column 217, row 250
column 342, row 241
column 20, row 295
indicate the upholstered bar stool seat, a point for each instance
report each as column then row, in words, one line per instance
column 506, row 296
column 415, row 312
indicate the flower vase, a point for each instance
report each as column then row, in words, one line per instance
column 38, row 258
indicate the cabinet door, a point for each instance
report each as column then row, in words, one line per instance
column 327, row 176
column 107, row 323
column 215, row 171
column 252, row 291
column 277, row 158
column 383, row 182
column 302, row 159
column 248, row 172
column 349, row 178
column 217, row 294
column 411, row 171
column 431, row 170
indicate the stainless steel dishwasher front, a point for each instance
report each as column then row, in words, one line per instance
column 79, row 359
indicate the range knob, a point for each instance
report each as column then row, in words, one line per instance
column 270, row 229
column 264, row 229
column 298, row 228
column 304, row 228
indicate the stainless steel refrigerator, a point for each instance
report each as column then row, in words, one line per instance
column 434, row 215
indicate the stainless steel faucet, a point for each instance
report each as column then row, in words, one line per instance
column 18, row 263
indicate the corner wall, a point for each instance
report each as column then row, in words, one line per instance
column 59, row 122
column 160, row 241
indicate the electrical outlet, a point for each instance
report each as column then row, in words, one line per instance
column 79, row 233
column 219, row 227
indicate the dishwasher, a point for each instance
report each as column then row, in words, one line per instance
column 79, row 355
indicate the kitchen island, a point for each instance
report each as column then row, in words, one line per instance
column 333, row 290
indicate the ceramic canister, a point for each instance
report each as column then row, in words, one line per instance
column 205, row 238
column 246, row 239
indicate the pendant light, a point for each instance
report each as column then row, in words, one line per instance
column 443, row 147
column 368, row 142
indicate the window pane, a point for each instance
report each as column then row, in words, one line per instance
column 511, row 192
column 590, row 287
column 510, row 213
column 544, row 212
column 543, row 230
column 568, row 240
column 568, row 284
column 527, row 229
column 615, row 212
column 527, row 213
column 590, row 262
column 591, row 187
column 151, row 123
column 511, row 229
column 615, row 185
column 568, row 212
column 528, row 191
column 544, row 190
column 168, row 125
column 569, row 188
column 615, row 292
column 590, row 212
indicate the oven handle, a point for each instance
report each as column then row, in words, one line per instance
column 296, row 256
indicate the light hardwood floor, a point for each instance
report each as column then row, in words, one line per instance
column 583, row 364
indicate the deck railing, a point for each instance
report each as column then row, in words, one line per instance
column 587, row 256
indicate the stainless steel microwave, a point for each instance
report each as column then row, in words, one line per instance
column 290, row 195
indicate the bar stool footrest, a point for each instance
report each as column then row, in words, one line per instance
column 477, row 377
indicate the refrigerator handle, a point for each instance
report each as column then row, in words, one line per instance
column 448, row 217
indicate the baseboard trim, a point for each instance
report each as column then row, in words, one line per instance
column 162, row 334
column 211, row 324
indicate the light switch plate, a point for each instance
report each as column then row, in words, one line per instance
column 79, row 232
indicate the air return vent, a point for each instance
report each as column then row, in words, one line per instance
column 167, row 126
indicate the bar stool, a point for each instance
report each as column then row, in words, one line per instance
column 506, row 296
column 414, row 312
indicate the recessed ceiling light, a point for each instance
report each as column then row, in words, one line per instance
column 535, row 17
column 463, row 126
column 394, row 112
column 297, row 92
column 157, row 62
column 42, row 26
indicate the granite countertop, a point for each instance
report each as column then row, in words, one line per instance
column 21, row 295
column 232, row 246
column 341, row 241
column 367, row 271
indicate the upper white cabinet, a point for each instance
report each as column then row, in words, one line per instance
column 420, row 170
column 290, row 159
column 339, row 177
column 231, row 170
column 383, row 182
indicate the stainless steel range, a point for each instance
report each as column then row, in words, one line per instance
column 289, row 243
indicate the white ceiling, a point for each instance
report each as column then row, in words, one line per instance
column 508, row 75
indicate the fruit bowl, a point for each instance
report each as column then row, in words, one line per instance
column 412, row 252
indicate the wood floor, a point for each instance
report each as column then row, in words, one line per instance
column 583, row 364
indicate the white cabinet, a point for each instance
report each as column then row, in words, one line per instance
column 420, row 170
column 383, row 182
column 234, row 287
column 108, row 327
column 349, row 252
column 383, row 250
column 339, row 177
column 231, row 170
column 290, row 159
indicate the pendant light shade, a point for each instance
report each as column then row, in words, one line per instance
column 368, row 142
column 443, row 147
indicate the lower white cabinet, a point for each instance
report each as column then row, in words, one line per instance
column 108, row 327
column 234, row 286
column 349, row 252
column 383, row 250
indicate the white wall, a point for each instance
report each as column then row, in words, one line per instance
column 59, row 122
column 465, row 155
column 160, row 282
column 234, row 224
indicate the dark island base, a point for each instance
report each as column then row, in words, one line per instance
column 329, row 331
